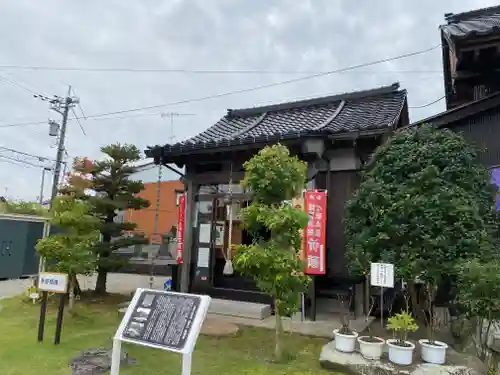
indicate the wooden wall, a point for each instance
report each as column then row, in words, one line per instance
column 341, row 186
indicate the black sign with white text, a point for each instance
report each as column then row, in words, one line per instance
column 162, row 319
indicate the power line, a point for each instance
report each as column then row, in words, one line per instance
column 78, row 121
column 428, row 104
column 270, row 85
column 22, row 87
column 14, row 163
column 20, row 161
column 251, row 89
column 26, row 154
column 188, row 71
column 79, row 105
column 96, row 119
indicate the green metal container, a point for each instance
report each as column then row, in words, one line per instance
column 18, row 237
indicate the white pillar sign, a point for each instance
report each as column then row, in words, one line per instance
column 162, row 320
column 382, row 274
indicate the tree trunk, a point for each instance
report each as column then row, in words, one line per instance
column 102, row 278
column 416, row 306
column 71, row 303
column 278, row 349
column 77, row 290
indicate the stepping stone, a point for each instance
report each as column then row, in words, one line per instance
column 218, row 327
column 96, row 362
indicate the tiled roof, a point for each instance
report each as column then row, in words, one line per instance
column 476, row 23
column 350, row 112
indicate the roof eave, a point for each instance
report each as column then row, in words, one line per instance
column 461, row 112
column 173, row 154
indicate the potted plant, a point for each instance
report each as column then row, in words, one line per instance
column 345, row 337
column 371, row 347
column 432, row 351
column 400, row 349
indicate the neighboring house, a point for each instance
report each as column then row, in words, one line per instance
column 335, row 135
column 166, row 208
column 471, row 66
column 471, row 55
column 170, row 187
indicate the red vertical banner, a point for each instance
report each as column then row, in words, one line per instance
column 181, row 223
column 315, row 204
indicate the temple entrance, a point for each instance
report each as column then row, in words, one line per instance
column 220, row 229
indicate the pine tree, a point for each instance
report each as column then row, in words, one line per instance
column 71, row 250
column 114, row 192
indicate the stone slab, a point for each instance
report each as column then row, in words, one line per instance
column 96, row 362
column 239, row 309
column 355, row 364
column 218, row 327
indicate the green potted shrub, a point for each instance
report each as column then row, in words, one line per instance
column 400, row 349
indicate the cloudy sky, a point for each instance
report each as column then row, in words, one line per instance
column 278, row 39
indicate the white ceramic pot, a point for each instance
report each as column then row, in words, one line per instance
column 400, row 355
column 345, row 343
column 433, row 353
column 371, row 347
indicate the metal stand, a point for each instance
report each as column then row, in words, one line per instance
column 382, row 307
column 187, row 359
column 302, row 307
column 116, row 357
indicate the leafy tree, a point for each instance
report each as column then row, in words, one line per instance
column 425, row 204
column 478, row 296
column 114, row 191
column 274, row 177
column 71, row 250
column 79, row 180
column 23, row 208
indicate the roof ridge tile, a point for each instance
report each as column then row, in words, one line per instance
column 252, row 111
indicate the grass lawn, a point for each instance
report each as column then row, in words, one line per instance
column 94, row 324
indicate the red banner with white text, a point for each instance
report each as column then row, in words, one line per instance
column 181, row 223
column 315, row 204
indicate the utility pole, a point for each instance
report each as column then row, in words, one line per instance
column 42, row 184
column 62, row 106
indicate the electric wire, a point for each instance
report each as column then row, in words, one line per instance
column 193, row 71
column 41, row 158
column 246, row 90
column 20, row 161
column 428, row 104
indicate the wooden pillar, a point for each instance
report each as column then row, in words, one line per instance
column 311, row 293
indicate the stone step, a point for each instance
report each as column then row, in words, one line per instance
column 239, row 309
column 230, row 308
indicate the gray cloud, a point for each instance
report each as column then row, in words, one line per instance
column 278, row 35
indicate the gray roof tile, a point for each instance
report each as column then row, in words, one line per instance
column 477, row 23
column 350, row 112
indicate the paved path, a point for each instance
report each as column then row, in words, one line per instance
column 117, row 283
column 11, row 288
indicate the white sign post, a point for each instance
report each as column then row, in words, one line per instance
column 52, row 282
column 162, row 320
column 382, row 275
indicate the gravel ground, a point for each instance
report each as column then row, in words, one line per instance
column 117, row 283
